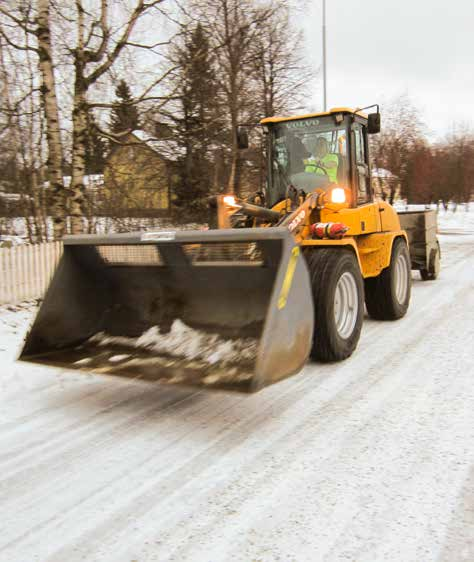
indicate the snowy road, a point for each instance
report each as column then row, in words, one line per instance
column 368, row 460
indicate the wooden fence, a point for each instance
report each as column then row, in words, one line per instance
column 25, row 271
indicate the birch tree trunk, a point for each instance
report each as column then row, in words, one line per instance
column 79, row 139
column 51, row 111
column 79, row 130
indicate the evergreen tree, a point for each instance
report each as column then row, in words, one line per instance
column 196, row 121
column 96, row 149
column 125, row 116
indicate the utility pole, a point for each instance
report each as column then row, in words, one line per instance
column 324, row 56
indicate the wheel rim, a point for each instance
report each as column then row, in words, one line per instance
column 346, row 305
column 401, row 278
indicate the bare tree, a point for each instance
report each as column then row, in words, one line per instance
column 402, row 131
column 426, row 173
column 33, row 20
column 96, row 50
column 92, row 42
column 454, row 163
column 282, row 76
column 24, row 132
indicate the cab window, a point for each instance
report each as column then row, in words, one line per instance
column 361, row 164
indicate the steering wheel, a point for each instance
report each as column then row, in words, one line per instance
column 318, row 166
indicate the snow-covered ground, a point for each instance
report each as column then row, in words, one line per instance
column 461, row 221
column 367, row 460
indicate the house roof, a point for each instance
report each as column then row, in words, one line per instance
column 383, row 173
column 167, row 148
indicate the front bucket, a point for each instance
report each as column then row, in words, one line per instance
column 227, row 309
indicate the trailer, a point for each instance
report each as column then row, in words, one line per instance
column 425, row 252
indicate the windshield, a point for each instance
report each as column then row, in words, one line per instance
column 307, row 154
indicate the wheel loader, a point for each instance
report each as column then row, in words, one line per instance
column 282, row 279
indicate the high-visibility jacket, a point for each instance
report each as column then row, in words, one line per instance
column 310, row 166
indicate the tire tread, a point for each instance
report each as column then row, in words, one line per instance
column 322, row 265
column 379, row 298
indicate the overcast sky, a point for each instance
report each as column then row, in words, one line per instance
column 379, row 49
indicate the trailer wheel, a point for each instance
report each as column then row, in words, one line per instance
column 387, row 296
column 434, row 266
column 338, row 295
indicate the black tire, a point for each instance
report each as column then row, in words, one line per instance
column 434, row 266
column 326, row 268
column 381, row 292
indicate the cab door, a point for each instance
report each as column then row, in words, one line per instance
column 361, row 164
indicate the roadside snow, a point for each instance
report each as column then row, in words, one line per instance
column 461, row 220
column 14, row 322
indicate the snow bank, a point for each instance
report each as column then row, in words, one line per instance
column 14, row 322
column 461, row 220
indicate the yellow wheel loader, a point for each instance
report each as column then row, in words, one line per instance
column 283, row 278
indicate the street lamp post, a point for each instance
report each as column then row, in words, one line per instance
column 324, row 56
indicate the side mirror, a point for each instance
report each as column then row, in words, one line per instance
column 242, row 138
column 373, row 124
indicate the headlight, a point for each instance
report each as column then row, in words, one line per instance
column 338, row 195
column 230, row 201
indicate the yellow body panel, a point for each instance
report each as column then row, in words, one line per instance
column 348, row 242
column 373, row 251
column 282, row 205
column 388, row 217
column 277, row 119
column 372, row 229
column 361, row 220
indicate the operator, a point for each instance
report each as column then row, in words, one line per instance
column 323, row 161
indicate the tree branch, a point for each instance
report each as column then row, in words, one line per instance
column 15, row 45
column 131, row 103
column 21, row 23
column 97, row 55
column 149, row 47
column 140, row 8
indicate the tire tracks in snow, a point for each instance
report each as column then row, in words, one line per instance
column 198, row 464
column 199, row 454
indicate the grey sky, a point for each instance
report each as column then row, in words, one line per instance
column 380, row 49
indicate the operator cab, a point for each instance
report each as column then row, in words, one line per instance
column 319, row 151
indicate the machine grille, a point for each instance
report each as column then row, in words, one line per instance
column 130, row 254
column 246, row 253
